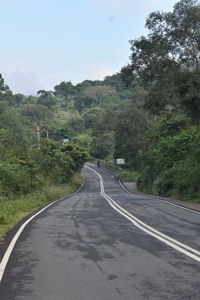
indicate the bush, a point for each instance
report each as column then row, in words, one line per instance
column 13, row 179
column 127, row 175
column 13, row 208
column 172, row 166
column 182, row 180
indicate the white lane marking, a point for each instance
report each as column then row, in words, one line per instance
column 9, row 250
column 164, row 201
column 193, row 253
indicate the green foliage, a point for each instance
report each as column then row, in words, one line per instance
column 14, row 178
column 181, row 180
column 91, row 116
column 173, row 40
column 5, row 94
column 102, row 145
column 15, row 123
column 167, row 61
column 24, row 167
column 58, row 132
column 169, row 164
column 75, row 122
column 46, row 98
column 131, row 125
column 18, row 100
column 117, row 83
column 188, row 86
column 99, row 93
column 77, row 154
column 166, row 64
column 36, row 112
column 127, row 175
column 84, row 140
column 64, row 89
column 108, row 118
column 82, row 102
column 14, row 208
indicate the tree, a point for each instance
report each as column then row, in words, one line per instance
column 18, row 100
column 91, row 116
column 130, row 135
column 39, row 116
column 75, row 122
column 77, row 153
column 173, row 42
column 81, row 102
column 117, row 83
column 5, row 94
column 36, row 112
column 160, row 60
column 188, row 89
column 11, row 120
column 99, row 93
column 182, row 30
column 79, row 88
column 102, row 145
column 46, row 98
column 64, row 89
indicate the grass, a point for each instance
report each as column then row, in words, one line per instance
column 13, row 209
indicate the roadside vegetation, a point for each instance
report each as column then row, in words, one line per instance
column 34, row 169
column 127, row 175
column 148, row 113
column 14, row 208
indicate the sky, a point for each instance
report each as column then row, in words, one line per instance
column 45, row 42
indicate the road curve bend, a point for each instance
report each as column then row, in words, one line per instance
column 104, row 243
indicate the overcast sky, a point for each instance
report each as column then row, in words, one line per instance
column 44, row 42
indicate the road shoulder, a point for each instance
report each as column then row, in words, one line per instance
column 131, row 187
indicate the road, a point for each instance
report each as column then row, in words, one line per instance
column 83, row 248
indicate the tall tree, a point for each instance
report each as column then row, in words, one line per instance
column 171, row 49
column 173, row 42
column 5, row 94
column 39, row 116
column 99, row 93
column 46, row 98
column 64, row 89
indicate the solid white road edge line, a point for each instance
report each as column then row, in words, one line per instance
column 166, row 202
column 9, row 250
column 148, row 229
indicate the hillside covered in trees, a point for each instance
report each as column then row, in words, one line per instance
column 148, row 114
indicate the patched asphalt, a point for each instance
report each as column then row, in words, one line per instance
column 80, row 248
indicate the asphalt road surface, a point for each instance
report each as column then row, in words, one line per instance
column 86, row 247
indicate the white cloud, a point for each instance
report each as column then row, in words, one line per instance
column 27, row 83
column 22, row 78
column 99, row 71
column 25, row 80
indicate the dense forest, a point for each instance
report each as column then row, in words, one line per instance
column 148, row 113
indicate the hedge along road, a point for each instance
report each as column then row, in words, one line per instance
column 105, row 243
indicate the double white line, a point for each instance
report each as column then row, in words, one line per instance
column 192, row 253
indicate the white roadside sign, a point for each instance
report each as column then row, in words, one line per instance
column 120, row 161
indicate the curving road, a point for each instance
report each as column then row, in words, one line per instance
column 104, row 243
